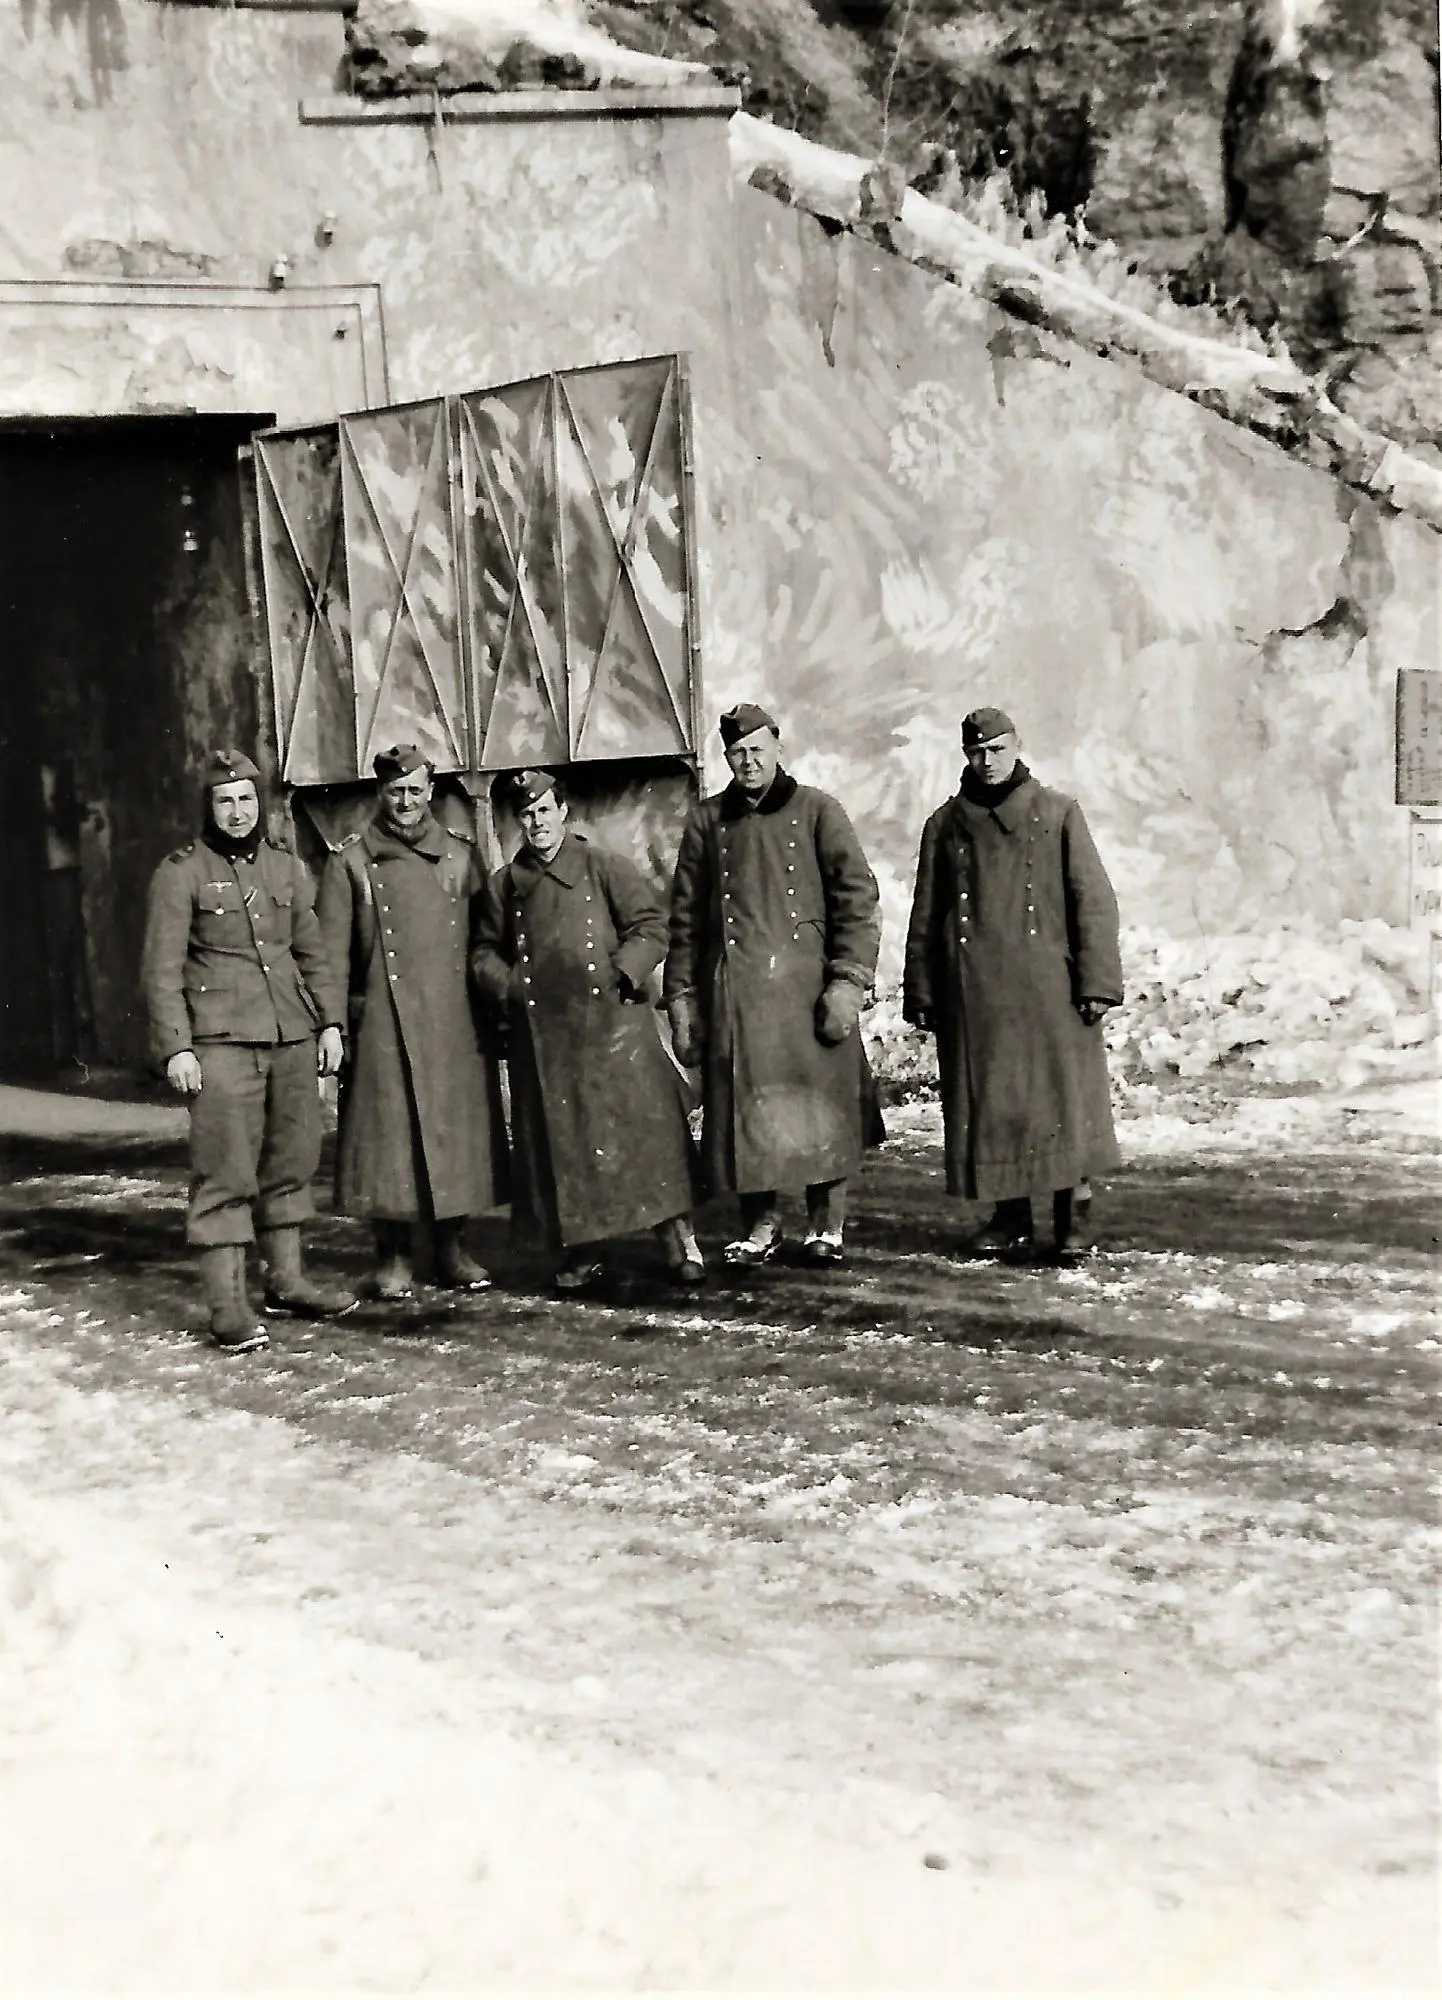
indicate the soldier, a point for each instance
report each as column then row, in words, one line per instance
column 567, row 938
column 1012, row 960
column 775, row 927
column 236, row 986
column 421, row 1135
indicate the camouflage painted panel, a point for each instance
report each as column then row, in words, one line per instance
column 517, row 658
column 404, row 598
column 303, row 557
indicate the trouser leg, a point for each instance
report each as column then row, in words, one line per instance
column 826, row 1208
column 455, row 1266
column 755, row 1207
column 1013, row 1216
column 227, row 1127
column 291, row 1142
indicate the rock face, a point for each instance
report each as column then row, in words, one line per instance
column 1280, row 152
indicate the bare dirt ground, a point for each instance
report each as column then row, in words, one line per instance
column 919, row 1625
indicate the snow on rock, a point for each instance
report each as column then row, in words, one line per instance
column 398, row 46
column 1266, row 392
column 1291, row 1007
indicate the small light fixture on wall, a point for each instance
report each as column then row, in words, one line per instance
column 279, row 272
column 325, row 230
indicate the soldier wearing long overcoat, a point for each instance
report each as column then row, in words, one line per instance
column 775, row 929
column 243, row 1014
column 422, row 1137
column 1012, row 960
column 567, row 938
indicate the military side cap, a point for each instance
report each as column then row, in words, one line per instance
column 399, row 761
column 984, row 725
column 523, row 788
column 744, row 720
column 228, row 767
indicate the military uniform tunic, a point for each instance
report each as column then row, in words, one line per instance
column 233, row 970
column 563, row 950
column 770, row 903
column 422, row 1135
column 1014, row 921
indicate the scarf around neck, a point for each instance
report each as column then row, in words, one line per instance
column 408, row 836
column 992, row 795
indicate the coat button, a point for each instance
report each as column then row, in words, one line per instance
column 597, row 991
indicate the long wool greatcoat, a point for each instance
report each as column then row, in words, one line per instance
column 770, row 904
column 601, row 1144
column 1013, row 922
column 421, row 1129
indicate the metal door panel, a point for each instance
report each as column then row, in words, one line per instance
column 405, row 611
column 307, row 602
column 504, row 577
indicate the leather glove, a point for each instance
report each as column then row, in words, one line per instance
column 923, row 1019
column 837, row 1012
column 1092, row 1009
column 629, row 993
column 688, row 1030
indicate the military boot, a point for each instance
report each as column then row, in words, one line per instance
column 233, row 1324
column 455, row 1266
column 393, row 1278
column 1008, row 1235
column 681, row 1250
column 1072, row 1224
column 287, row 1288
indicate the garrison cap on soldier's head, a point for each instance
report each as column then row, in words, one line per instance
column 228, row 767
column 523, row 788
column 399, row 761
column 984, row 725
column 744, row 720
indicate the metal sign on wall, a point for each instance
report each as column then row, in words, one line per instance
column 1419, row 737
column 504, row 577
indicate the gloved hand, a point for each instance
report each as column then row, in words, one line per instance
column 1092, row 1009
column 923, row 1019
column 630, row 994
column 330, row 1052
column 688, row 1030
column 837, row 1012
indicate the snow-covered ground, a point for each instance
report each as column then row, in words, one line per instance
column 207, row 1785
column 933, row 1626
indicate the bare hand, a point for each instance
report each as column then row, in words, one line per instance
column 183, row 1073
column 329, row 1052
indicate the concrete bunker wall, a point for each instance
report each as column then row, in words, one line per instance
column 908, row 502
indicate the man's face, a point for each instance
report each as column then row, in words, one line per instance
column 543, row 824
column 235, row 807
column 995, row 760
column 753, row 760
column 405, row 798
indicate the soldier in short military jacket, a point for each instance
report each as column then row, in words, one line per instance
column 242, row 1016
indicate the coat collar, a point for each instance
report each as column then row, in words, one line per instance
column 383, row 846
column 736, row 805
column 566, row 866
column 1010, row 814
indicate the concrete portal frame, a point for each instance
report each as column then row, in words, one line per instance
column 350, row 312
